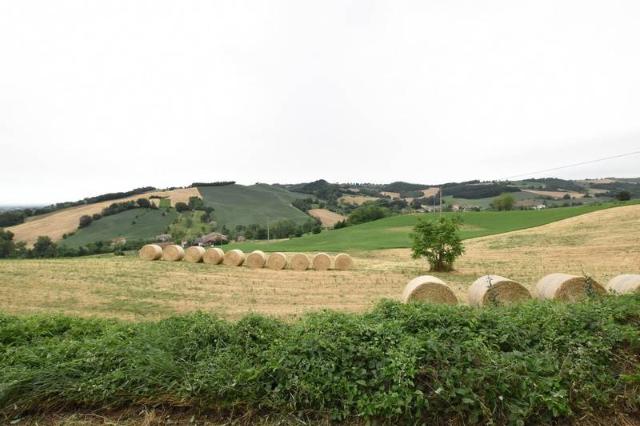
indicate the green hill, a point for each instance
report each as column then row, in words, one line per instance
column 255, row 204
column 136, row 224
column 393, row 232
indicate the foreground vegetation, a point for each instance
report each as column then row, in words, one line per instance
column 536, row 362
column 394, row 232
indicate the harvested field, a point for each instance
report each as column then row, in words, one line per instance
column 356, row 199
column 65, row 221
column 602, row 244
column 555, row 194
column 326, row 217
column 392, row 195
column 430, row 192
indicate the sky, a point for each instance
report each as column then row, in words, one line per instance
column 104, row 96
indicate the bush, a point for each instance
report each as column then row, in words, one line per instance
column 182, row 207
column 504, row 202
column 623, row 196
column 367, row 213
column 143, row 203
column 439, row 242
column 535, row 363
column 85, row 220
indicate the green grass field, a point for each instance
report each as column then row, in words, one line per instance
column 246, row 205
column 136, row 224
column 393, row 232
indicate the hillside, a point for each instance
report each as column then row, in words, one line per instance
column 137, row 224
column 255, row 204
column 65, row 221
column 393, row 232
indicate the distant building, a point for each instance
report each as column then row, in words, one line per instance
column 163, row 238
column 539, row 207
column 212, row 238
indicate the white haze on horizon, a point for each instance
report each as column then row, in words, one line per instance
column 106, row 96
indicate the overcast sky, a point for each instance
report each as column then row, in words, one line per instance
column 101, row 96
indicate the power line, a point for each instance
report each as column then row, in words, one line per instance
column 582, row 163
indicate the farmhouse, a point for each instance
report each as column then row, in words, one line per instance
column 212, row 238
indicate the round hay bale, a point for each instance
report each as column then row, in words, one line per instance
column 428, row 289
column 494, row 289
column 277, row 261
column 256, row 259
column 234, row 258
column 299, row 262
column 194, row 254
column 172, row 253
column 568, row 288
column 150, row 252
column 213, row 256
column 321, row 262
column 343, row 262
column 624, row 284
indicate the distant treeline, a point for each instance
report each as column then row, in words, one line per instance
column 16, row 217
column 475, row 189
column 220, row 183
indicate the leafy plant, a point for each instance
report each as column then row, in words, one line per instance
column 438, row 241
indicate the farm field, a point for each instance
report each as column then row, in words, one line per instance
column 326, row 217
column 137, row 224
column 255, row 204
column 393, row 232
column 602, row 244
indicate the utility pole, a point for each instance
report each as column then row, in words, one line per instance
column 268, row 230
column 440, row 201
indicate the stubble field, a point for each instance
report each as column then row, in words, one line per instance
column 601, row 244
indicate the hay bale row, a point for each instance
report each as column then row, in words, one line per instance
column 497, row 290
column 255, row 260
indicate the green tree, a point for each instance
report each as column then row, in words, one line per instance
column 143, row 203
column 44, row 247
column 438, row 241
column 7, row 246
column 85, row 220
column 503, row 202
column 623, row 196
column 367, row 213
column 182, row 207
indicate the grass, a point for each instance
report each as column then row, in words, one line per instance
column 136, row 224
column 602, row 245
column 255, row 204
column 539, row 362
column 394, row 232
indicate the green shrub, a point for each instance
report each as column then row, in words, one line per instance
column 540, row 362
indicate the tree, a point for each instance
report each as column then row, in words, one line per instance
column 44, row 247
column 623, row 196
column 182, row 207
column 196, row 203
column 85, row 220
column 438, row 242
column 367, row 213
column 143, row 203
column 7, row 246
column 503, row 202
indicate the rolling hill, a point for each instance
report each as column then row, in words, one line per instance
column 137, row 224
column 65, row 221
